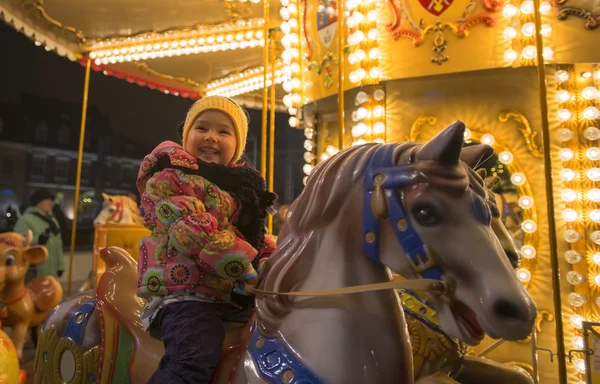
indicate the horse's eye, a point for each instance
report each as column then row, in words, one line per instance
column 426, row 214
column 111, row 210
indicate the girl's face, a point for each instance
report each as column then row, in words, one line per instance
column 212, row 138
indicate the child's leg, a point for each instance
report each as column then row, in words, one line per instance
column 192, row 332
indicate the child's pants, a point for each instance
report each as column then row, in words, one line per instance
column 193, row 332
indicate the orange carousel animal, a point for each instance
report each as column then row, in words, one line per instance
column 21, row 306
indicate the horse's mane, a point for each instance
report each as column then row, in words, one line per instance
column 327, row 188
column 133, row 208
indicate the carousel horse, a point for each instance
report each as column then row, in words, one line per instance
column 118, row 209
column 424, row 216
column 21, row 306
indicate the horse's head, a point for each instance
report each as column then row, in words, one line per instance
column 428, row 214
column 16, row 256
column 118, row 210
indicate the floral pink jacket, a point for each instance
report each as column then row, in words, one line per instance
column 193, row 245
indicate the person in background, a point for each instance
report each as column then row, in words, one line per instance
column 38, row 218
column 61, row 218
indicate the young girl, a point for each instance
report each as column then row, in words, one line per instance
column 207, row 215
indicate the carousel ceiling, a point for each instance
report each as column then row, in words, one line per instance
column 188, row 48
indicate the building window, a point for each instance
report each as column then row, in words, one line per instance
column 8, row 166
column 41, row 132
column 63, row 135
column 85, row 170
column 38, row 167
column 125, row 175
column 61, row 172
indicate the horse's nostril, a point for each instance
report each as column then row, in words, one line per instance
column 507, row 310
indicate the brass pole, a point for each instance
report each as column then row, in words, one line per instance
column 263, row 132
column 272, row 127
column 541, row 72
column 341, row 59
column 86, row 87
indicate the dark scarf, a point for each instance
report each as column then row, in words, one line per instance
column 246, row 185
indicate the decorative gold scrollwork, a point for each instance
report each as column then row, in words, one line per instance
column 542, row 315
column 525, row 128
column 415, row 129
column 591, row 20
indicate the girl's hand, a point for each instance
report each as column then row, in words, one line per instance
column 243, row 288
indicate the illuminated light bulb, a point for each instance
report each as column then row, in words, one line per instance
column 528, row 226
column 546, row 30
column 565, row 134
column 373, row 34
column 564, row 115
column 569, row 195
column 577, row 342
column 331, row 150
column 594, row 195
column 509, row 10
column 593, row 153
column 309, row 157
column 324, row 156
column 292, row 8
column 595, row 215
column 297, row 98
column 309, row 145
column 293, row 121
column 593, row 174
column 518, row 178
column 510, row 55
column 591, row 133
column 524, row 275
column 359, row 129
column 360, row 54
column 295, row 67
column 545, row 7
column 372, row 15
column 379, row 94
column 375, row 72
column 354, row 77
column 527, row 7
column 379, row 111
column 488, row 139
column 577, row 321
column 510, row 33
column 362, row 113
column 566, row 154
column 309, row 133
column 570, row 215
column 307, row 169
column 526, row 202
column 379, row 128
column 359, row 142
column 506, row 157
column 353, row 58
column 285, row 28
column 591, row 113
column 287, row 100
column 575, row 278
column 579, row 364
column 562, row 76
column 374, row 53
column 528, row 251
column 567, row 174
column 467, row 134
column 595, row 237
column 361, row 97
column 589, row 93
column 547, row 53
column 563, row 96
column 571, row 236
column 577, row 300
column 528, row 29
column 586, row 75
column 573, row 257
column 596, row 258
column 304, row 180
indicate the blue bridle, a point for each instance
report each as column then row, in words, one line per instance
column 381, row 200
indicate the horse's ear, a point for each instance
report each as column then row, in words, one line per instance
column 446, row 147
column 36, row 255
column 106, row 197
column 482, row 173
column 475, row 155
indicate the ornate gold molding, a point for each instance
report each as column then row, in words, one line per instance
column 143, row 67
column 415, row 129
column 592, row 21
column 525, row 128
column 543, row 315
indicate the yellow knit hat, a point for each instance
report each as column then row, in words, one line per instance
column 231, row 108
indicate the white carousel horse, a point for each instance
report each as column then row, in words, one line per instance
column 415, row 210
column 118, row 209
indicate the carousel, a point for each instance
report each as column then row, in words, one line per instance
column 498, row 281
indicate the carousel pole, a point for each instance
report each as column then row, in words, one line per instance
column 341, row 61
column 86, row 87
column 272, row 126
column 541, row 72
column 263, row 132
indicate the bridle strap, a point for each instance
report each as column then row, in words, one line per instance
column 118, row 211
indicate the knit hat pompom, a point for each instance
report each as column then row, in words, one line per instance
column 237, row 114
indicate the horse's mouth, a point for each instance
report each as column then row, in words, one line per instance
column 467, row 319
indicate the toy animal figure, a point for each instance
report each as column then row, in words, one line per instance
column 118, row 209
column 423, row 214
column 22, row 307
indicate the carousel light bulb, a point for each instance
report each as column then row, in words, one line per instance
column 564, row 115
column 565, row 134
column 509, row 11
column 595, row 237
column 359, row 129
column 518, row 178
column 304, row 180
column 591, row 113
column 596, row 258
column 510, row 55
column 563, row 96
column 546, row 30
column 467, row 134
column 525, row 202
column 374, row 53
column 488, row 139
column 597, row 279
column 372, row 15
column 307, row 169
column 589, row 93
column 591, row 133
column 309, row 145
column 567, row 174
column 545, row 7
column 309, row 157
column 285, row 28
column 562, row 76
column 530, row 52
column 570, row 215
column 577, row 342
column 324, row 156
column 595, row 215
column 505, row 157
column 524, row 275
column 331, row 150
column 579, row 365
column 594, row 195
column 379, row 128
column 593, row 174
column 360, row 54
column 362, row 113
column 361, row 97
column 528, row 226
column 571, row 236
column 577, row 320
column 528, row 251
column 586, row 74
column 309, row 133
column 379, row 94
column 361, row 73
column 573, row 257
column 379, row 111
column 528, row 29
column 593, row 153
column 510, row 33
column 566, row 154
column 575, row 278
column 288, row 100
column 576, row 299
column 354, row 77
column 568, row 195
column 527, row 7
column 375, row 72
column 373, row 34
